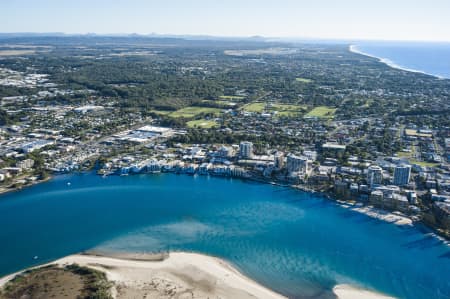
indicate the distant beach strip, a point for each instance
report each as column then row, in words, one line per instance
column 390, row 63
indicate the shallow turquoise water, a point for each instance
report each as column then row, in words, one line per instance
column 294, row 242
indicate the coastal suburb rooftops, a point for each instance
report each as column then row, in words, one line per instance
column 415, row 133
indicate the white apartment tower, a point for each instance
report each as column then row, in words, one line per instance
column 402, row 173
column 246, row 150
column 374, row 175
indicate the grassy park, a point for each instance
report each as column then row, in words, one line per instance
column 321, row 112
column 202, row 123
column 303, row 80
column 190, row 112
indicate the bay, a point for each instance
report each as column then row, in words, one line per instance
column 296, row 243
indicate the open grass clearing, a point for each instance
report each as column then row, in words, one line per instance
column 254, row 107
column 202, row 123
column 16, row 52
column 303, row 80
column 189, row 112
column 227, row 104
column 162, row 112
column 232, row 98
column 423, row 163
column 286, row 110
column 321, row 112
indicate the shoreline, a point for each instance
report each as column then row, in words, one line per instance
column 391, row 217
column 6, row 190
column 353, row 49
column 181, row 273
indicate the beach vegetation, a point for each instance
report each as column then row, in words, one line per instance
column 53, row 281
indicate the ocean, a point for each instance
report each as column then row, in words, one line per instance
column 430, row 58
column 296, row 243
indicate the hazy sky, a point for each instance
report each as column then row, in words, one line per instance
column 340, row 19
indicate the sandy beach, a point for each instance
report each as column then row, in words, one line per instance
column 390, row 63
column 345, row 291
column 394, row 218
column 182, row 275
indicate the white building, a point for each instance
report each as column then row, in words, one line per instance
column 374, row 175
column 402, row 173
column 246, row 150
column 297, row 164
column 25, row 164
column 88, row 108
column 31, row 146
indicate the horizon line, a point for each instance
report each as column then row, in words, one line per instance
column 256, row 36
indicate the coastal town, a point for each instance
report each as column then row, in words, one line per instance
column 224, row 149
column 392, row 167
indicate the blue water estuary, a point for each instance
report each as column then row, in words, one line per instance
column 430, row 58
column 294, row 242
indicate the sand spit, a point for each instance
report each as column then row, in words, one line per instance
column 182, row 275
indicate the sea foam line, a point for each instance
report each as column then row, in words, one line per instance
column 390, row 63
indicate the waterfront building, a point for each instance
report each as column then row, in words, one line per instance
column 225, row 152
column 374, row 175
column 297, row 164
column 246, row 150
column 387, row 190
column 153, row 166
column 402, row 174
column 279, row 160
column 354, row 191
column 376, row 197
column 341, row 189
column 401, row 202
column 204, row 168
column 441, row 211
column 25, row 164
column 412, row 197
column 238, row 172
